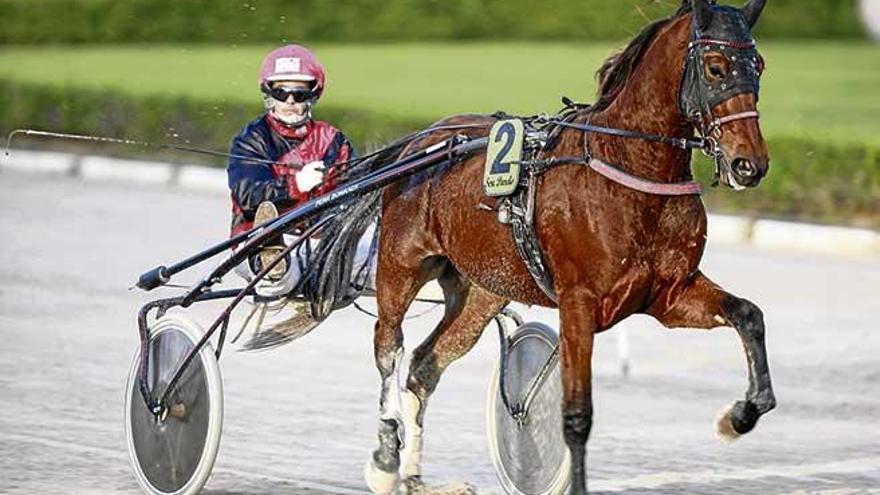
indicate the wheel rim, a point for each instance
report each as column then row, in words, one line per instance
column 530, row 456
column 175, row 455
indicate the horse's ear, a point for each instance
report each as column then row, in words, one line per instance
column 702, row 13
column 752, row 11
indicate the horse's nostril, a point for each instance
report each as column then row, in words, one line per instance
column 744, row 168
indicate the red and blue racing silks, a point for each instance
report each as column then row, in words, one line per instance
column 252, row 181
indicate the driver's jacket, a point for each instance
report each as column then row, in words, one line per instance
column 252, row 181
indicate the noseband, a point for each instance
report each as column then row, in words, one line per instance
column 714, row 127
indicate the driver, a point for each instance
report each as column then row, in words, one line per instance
column 284, row 156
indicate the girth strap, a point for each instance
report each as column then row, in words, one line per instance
column 529, row 249
column 522, row 227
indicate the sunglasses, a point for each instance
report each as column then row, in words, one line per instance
column 300, row 95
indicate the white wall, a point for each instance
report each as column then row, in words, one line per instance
column 869, row 10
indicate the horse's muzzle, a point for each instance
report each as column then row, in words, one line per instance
column 746, row 172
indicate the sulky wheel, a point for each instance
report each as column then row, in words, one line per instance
column 525, row 434
column 175, row 452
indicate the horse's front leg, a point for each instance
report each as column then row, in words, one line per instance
column 702, row 304
column 397, row 285
column 578, row 321
column 381, row 470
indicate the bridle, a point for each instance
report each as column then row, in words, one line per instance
column 697, row 97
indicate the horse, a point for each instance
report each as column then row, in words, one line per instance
column 614, row 249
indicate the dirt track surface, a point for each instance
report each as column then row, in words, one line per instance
column 301, row 419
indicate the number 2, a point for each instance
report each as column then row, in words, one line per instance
column 506, row 131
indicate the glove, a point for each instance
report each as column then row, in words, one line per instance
column 310, row 176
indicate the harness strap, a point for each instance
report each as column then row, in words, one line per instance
column 614, row 174
column 720, row 121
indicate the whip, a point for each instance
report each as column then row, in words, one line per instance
column 132, row 142
column 202, row 151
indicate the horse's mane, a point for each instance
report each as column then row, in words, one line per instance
column 616, row 70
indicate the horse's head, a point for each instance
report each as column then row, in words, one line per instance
column 719, row 92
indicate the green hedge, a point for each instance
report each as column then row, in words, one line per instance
column 808, row 180
column 278, row 21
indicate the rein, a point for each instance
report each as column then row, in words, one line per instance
column 683, row 143
column 703, row 144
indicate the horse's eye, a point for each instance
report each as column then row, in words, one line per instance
column 715, row 66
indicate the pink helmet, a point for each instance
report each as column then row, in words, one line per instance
column 292, row 63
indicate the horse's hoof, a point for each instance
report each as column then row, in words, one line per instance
column 379, row 482
column 736, row 420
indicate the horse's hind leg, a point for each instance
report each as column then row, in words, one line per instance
column 702, row 304
column 468, row 310
column 398, row 281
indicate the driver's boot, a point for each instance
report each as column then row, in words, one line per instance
column 267, row 212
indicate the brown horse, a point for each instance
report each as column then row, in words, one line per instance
column 613, row 251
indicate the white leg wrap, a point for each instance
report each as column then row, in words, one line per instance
column 411, row 457
column 382, row 482
column 391, row 401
